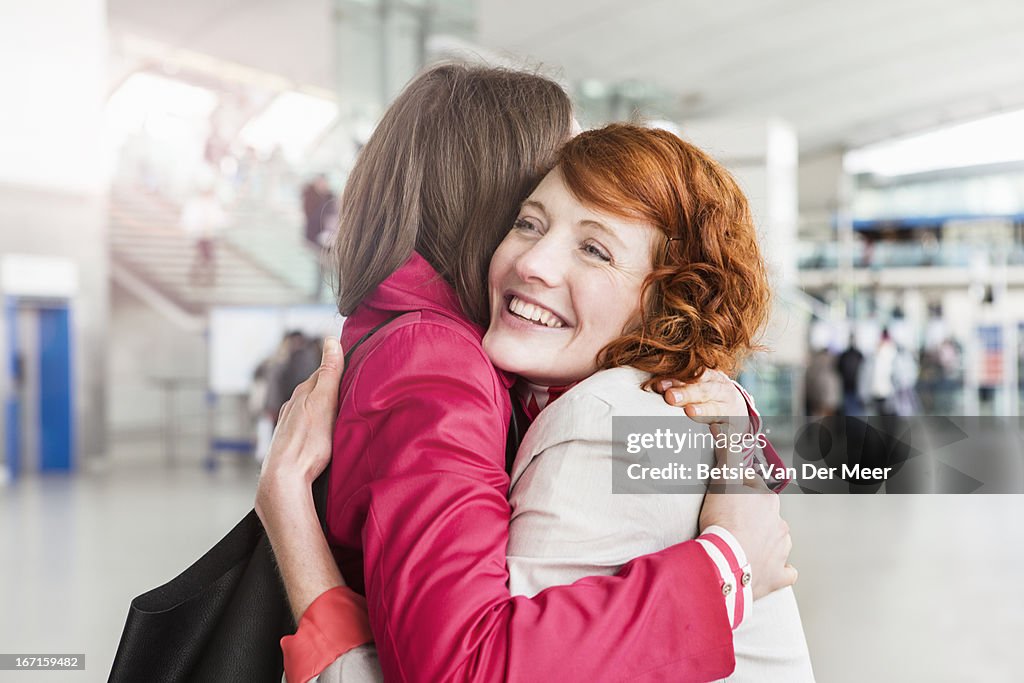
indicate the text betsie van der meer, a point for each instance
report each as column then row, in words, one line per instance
column 666, row 440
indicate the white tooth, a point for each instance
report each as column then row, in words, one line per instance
column 533, row 312
column 521, row 308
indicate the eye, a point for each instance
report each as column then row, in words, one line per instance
column 596, row 251
column 525, row 224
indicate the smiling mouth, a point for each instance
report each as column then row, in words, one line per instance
column 533, row 313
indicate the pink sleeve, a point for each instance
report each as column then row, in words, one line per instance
column 434, row 549
column 768, row 453
column 332, row 625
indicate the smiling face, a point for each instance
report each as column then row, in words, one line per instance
column 564, row 283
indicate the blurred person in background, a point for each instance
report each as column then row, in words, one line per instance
column 850, row 365
column 317, row 199
column 950, row 360
column 262, row 423
column 277, row 179
column 822, row 384
column 249, row 174
column 320, row 209
column 297, row 358
column 202, row 219
column 419, row 481
column 905, row 375
column 273, row 400
column 882, row 366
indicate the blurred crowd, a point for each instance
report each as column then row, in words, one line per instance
column 294, row 360
column 888, row 378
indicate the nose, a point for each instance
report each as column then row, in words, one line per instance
column 543, row 262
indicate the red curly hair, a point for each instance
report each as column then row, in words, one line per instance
column 707, row 296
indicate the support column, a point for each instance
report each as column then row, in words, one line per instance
column 381, row 44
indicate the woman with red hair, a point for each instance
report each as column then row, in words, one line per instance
column 635, row 258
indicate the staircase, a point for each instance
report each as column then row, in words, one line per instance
column 257, row 263
column 273, row 238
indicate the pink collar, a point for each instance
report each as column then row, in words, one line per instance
column 417, row 286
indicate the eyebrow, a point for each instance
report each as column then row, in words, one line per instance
column 535, row 204
column 602, row 227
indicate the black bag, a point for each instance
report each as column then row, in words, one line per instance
column 221, row 619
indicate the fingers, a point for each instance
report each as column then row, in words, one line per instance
column 712, row 395
column 328, row 376
column 790, row 574
column 692, row 393
column 662, row 384
column 333, row 361
column 705, row 412
column 321, row 387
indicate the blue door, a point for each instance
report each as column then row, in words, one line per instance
column 38, row 410
column 56, row 437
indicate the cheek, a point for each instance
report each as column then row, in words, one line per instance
column 612, row 309
column 622, row 313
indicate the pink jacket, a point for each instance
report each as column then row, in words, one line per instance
column 418, row 499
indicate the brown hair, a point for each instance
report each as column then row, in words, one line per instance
column 444, row 174
column 708, row 293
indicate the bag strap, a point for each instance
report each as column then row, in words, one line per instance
column 514, row 437
column 321, row 484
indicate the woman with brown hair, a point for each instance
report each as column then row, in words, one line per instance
column 417, row 515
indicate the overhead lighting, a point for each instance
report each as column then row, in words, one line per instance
column 292, row 122
column 145, row 95
column 991, row 140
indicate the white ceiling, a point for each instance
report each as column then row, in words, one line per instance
column 844, row 72
column 288, row 38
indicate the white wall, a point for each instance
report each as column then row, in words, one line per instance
column 52, row 180
column 53, row 87
column 144, row 346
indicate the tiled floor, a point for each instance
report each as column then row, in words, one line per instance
column 76, row 550
column 909, row 588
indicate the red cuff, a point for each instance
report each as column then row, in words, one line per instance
column 332, row 625
column 771, row 456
